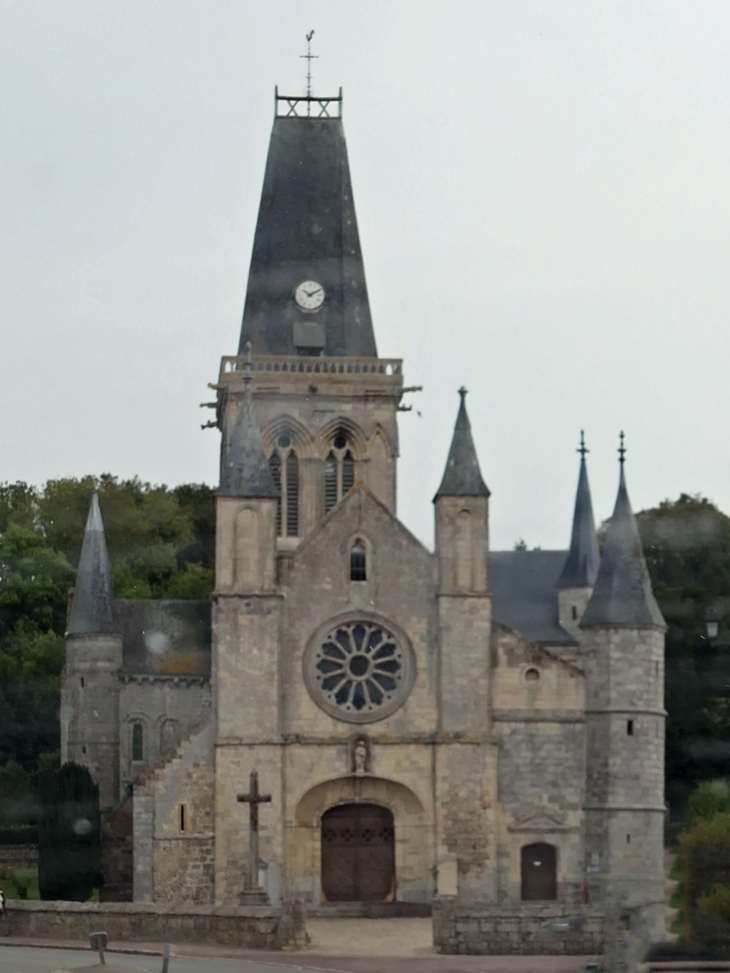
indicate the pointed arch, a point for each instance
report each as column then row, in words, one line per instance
column 300, row 436
column 379, row 440
column 356, row 437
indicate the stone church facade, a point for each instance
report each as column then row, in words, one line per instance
column 461, row 723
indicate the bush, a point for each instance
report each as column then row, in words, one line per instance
column 706, row 856
column 69, row 848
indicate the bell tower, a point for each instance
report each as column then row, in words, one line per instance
column 326, row 404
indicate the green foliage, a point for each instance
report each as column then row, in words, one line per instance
column 706, row 857
column 194, row 581
column 161, row 545
column 69, row 846
column 687, row 548
column 34, row 583
column 19, row 883
column 18, row 505
column 709, row 799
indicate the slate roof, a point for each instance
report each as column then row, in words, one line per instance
column 164, row 637
column 91, row 608
column 581, row 565
column 245, row 471
column 462, row 476
column 524, row 595
column 622, row 594
column 307, row 230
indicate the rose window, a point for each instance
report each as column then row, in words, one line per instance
column 359, row 671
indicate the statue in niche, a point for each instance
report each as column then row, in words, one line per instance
column 360, row 757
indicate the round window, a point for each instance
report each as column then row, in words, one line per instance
column 358, row 671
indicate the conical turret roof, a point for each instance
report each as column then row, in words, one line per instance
column 462, row 476
column 307, row 232
column 245, row 471
column 622, row 594
column 91, row 608
column 581, row 565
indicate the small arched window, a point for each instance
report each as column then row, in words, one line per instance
column 284, row 466
column 137, row 741
column 358, row 562
column 339, row 470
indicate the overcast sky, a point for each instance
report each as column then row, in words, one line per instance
column 542, row 190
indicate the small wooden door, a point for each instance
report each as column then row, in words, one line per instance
column 358, row 853
column 539, row 872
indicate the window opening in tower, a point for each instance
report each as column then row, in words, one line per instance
column 137, row 741
column 339, row 471
column 284, row 466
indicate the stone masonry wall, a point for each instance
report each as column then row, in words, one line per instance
column 531, row 930
column 245, row 928
column 182, row 858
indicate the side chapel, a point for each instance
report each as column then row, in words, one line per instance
column 464, row 722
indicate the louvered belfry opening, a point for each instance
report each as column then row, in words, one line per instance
column 284, row 466
column 339, row 470
column 358, row 853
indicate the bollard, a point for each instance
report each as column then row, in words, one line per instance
column 165, row 958
column 98, row 940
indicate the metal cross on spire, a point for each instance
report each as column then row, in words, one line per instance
column 310, row 57
column 621, row 449
column 583, row 449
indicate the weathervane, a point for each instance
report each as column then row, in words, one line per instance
column 621, row 449
column 583, row 448
column 310, row 57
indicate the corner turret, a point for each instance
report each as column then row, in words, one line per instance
column 246, row 620
column 575, row 584
column 465, row 620
column 623, row 655
column 90, row 685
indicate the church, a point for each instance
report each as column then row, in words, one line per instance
column 353, row 717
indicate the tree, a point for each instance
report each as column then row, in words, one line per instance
column 687, row 548
column 69, row 846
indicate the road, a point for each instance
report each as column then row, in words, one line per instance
column 28, row 959
column 35, row 959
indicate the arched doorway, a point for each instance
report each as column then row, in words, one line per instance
column 358, row 853
column 539, row 872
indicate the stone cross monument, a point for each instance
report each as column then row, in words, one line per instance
column 253, row 894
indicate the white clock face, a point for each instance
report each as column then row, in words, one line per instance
column 309, row 295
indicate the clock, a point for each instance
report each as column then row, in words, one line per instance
column 309, row 295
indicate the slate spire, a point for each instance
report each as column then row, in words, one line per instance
column 245, row 471
column 581, row 565
column 622, row 594
column 307, row 233
column 462, row 476
column 91, row 608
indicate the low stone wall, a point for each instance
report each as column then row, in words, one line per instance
column 548, row 930
column 19, row 856
column 252, row 927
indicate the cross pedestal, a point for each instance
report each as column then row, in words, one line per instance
column 253, row 894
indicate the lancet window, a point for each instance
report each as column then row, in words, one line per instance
column 358, row 562
column 137, row 741
column 284, row 466
column 339, row 471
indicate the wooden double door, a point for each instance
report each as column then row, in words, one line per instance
column 358, row 853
